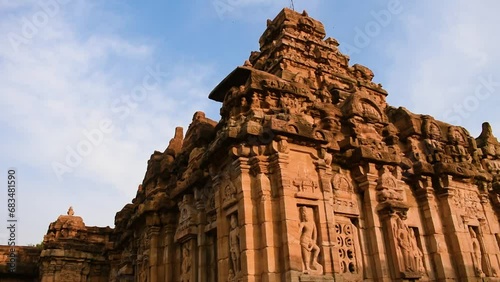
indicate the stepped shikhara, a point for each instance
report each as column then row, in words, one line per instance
column 308, row 176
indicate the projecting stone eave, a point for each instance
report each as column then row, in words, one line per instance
column 237, row 77
column 244, row 75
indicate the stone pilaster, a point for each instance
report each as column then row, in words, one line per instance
column 433, row 230
column 268, row 220
column 367, row 177
column 153, row 234
column 327, row 217
column 168, row 250
column 456, row 232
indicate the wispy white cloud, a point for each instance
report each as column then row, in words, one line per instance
column 447, row 52
column 62, row 83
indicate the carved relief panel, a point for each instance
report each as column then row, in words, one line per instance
column 345, row 200
column 434, row 149
column 228, row 190
column 458, row 143
column 304, row 177
column 468, row 205
column 388, row 188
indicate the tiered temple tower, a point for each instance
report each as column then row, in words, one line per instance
column 309, row 176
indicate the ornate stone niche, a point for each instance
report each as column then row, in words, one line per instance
column 389, row 190
column 458, row 144
column 187, row 225
column 186, row 262
column 309, row 242
column 434, row 149
column 228, row 190
column 478, row 256
column 404, row 247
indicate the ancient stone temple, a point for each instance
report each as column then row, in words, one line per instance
column 308, row 176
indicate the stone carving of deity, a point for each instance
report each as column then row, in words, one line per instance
column 476, row 253
column 308, row 243
column 411, row 255
column 417, row 255
column 234, row 244
column 403, row 243
column 433, row 146
column 186, row 262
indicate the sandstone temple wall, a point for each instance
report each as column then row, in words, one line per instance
column 25, row 260
column 308, row 176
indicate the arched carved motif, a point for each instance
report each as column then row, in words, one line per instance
column 342, row 183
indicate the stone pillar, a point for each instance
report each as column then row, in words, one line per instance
column 327, row 225
column 489, row 226
column 433, row 230
column 456, row 232
column 168, row 252
column 237, row 235
column 201, row 240
column 222, row 250
column 367, row 177
column 467, row 216
column 291, row 256
column 245, row 211
column 153, row 234
column 268, row 217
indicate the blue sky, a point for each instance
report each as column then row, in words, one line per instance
column 66, row 72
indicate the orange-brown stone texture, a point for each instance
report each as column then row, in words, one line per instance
column 308, row 176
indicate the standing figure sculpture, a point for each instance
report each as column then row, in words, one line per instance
column 418, row 263
column 186, row 262
column 234, row 244
column 476, row 253
column 404, row 244
column 309, row 247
